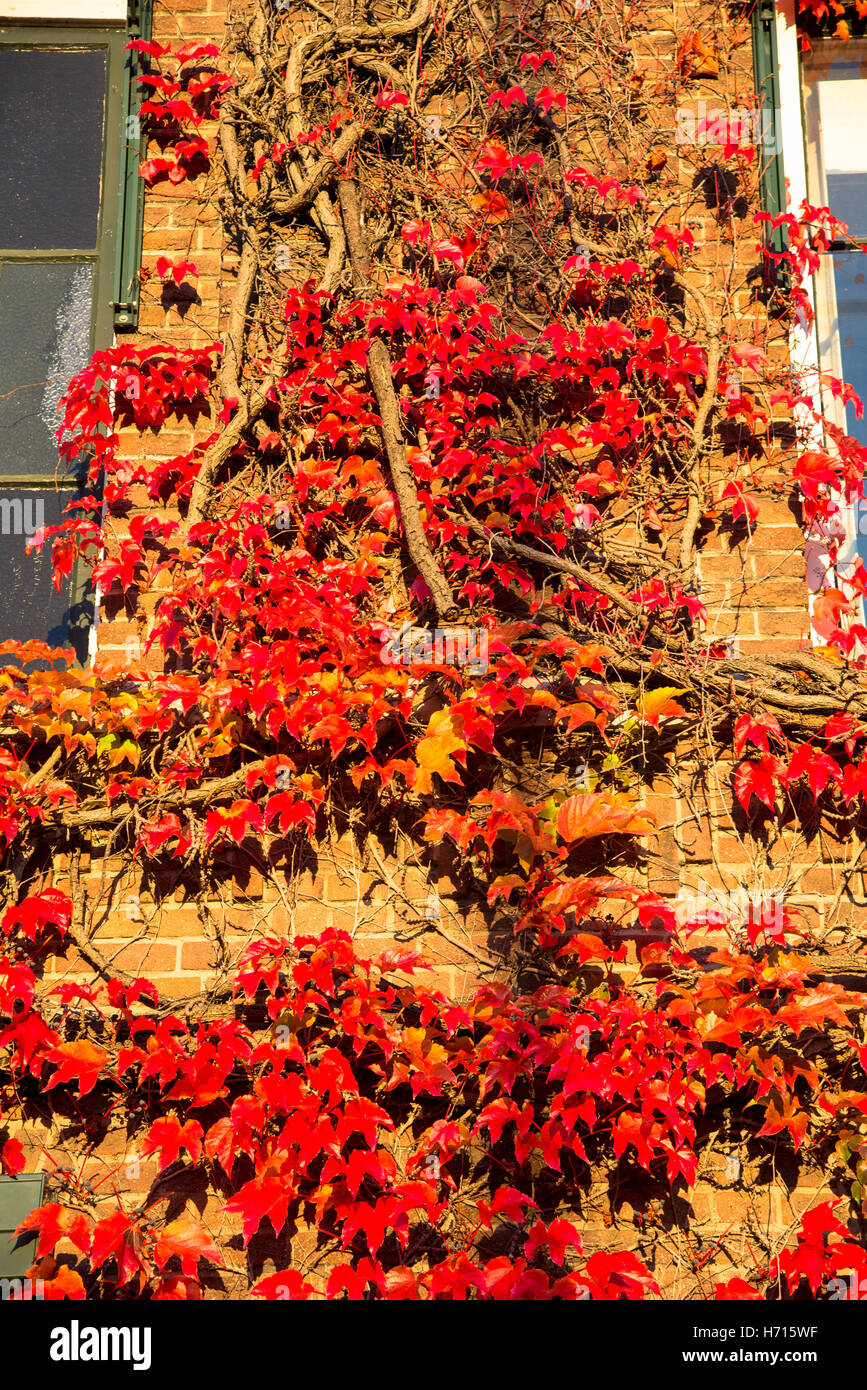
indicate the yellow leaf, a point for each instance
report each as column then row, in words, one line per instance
column 126, row 752
column 656, row 704
column 433, row 755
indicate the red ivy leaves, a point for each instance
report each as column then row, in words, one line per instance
column 36, row 914
column 313, row 1137
column 816, row 1256
column 77, row 1061
column 168, row 1137
column 12, row 1157
column 179, row 269
column 55, row 1222
column 757, row 780
column 756, row 729
column 306, row 1117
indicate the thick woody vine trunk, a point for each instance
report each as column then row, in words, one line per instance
column 379, row 367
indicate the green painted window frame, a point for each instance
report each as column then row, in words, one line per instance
column 772, row 177
column 130, row 216
column 117, row 255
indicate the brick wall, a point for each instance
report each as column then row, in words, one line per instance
column 182, row 937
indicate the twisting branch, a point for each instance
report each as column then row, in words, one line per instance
column 233, row 346
column 556, row 562
column 233, row 343
column 714, row 331
column 787, row 702
column 379, row 368
column 288, row 205
column 222, row 449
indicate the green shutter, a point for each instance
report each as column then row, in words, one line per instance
column 130, row 215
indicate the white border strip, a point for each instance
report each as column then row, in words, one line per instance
column 106, row 11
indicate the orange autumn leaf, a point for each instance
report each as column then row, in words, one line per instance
column 584, row 894
column 434, row 752
column 433, row 755
column 66, row 1284
column 419, row 1046
column 578, row 714
column 189, row 1241
column 659, row 704
column 588, row 654
column 697, row 57
column 786, row 1112
column 493, row 205
column 829, row 610
column 81, row 1061
column 55, row 1222
column 600, row 813
column 589, row 947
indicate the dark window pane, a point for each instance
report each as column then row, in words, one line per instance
column 51, row 119
column 45, row 312
column 30, row 605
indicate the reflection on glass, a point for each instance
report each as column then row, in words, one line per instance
column 45, row 313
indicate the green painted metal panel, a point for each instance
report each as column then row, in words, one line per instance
column 18, row 1197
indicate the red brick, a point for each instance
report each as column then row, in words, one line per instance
column 315, row 917
column 715, row 568
column 772, row 645
column 140, row 955
column 817, row 878
column 181, row 986
column 779, row 593
column 199, row 955
column 769, row 565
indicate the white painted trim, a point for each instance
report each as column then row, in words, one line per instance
column 805, row 355
column 91, row 11
column 804, row 343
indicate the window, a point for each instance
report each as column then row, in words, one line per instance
column 18, row 1197
column 834, row 90
column 69, row 151
column 821, row 149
